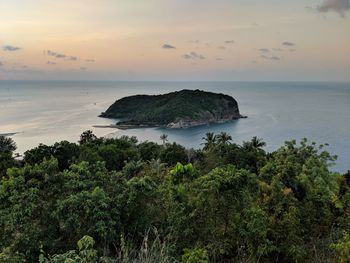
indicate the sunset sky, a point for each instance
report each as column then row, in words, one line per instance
column 175, row 40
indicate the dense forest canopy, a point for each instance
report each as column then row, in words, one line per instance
column 120, row 200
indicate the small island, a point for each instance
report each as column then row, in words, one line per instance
column 180, row 109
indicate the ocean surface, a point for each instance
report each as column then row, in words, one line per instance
column 50, row 111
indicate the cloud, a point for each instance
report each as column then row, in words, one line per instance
column 1, row 64
column 339, row 6
column 90, row 60
column 55, row 54
column 222, row 47
column 277, row 49
column 275, row 58
column 193, row 55
column 50, row 63
column 229, row 42
column 288, row 44
column 10, row 48
column 219, row 59
column 167, row 46
column 264, row 50
column 83, row 68
column 60, row 55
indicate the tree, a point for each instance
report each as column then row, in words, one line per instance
column 164, row 138
column 173, row 153
column 87, row 137
column 256, row 143
column 7, row 145
column 149, row 150
column 156, row 165
column 224, row 138
column 210, row 140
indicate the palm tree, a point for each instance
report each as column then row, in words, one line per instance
column 157, row 165
column 224, row 138
column 257, row 143
column 210, row 140
column 254, row 143
column 7, row 144
column 164, row 138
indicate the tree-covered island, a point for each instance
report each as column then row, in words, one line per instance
column 180, row 109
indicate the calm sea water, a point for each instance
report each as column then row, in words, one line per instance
column 46, row 112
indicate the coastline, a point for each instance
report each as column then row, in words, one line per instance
column 178, row 125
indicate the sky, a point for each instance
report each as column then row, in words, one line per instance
column 200, row 40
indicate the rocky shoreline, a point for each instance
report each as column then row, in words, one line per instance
column 181, row 124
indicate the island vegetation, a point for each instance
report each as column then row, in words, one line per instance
column 120, row 200
column 180, row 109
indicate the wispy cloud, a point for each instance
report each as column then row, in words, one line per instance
column 339, row 6
column 229, row 42
column 1, row 64
column 167, row 46
column 264, row 50
column 10, row 48
column 60, row 55
column 193, row 55
column 288, row 44
column 219, row 59
column 55, row 54
column 50, row 63
column 83, row 68
column 222, row 47
column 275, row 58
column 90, row 60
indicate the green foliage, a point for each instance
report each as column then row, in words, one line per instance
column 227, row 202
column 342, row 247
column 173, row 153
column 7, row 144
column 181, row 172
column 85, row 254
column 7, row 148
column 197, row 255
column 87, row 137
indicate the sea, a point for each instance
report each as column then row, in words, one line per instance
column 51, row 111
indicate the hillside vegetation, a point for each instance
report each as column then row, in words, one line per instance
column 190, row 107
column 120, row 200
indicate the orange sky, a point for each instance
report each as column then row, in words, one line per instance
column 211, row 40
